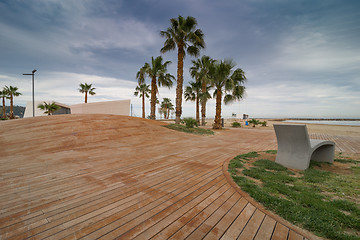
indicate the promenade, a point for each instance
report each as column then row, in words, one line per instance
column 116, row 177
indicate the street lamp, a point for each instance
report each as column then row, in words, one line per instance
column 33, row 98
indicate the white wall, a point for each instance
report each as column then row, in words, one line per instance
column 121, row 107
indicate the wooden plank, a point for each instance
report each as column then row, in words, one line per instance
column 295, row 236
column 238, row 225
column 218, row 230
column 266, row 229
column 281, row 232
column 219, row 213
column 253, row 225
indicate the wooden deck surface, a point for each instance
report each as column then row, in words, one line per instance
column 115, row 177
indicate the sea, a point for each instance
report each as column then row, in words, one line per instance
column 327, row 122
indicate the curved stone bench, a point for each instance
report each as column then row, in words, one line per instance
column 295, row 149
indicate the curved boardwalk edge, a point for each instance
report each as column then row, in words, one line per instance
column 306, row 234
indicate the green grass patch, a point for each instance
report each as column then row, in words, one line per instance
column 271, row 151
column 346, row 160
column 318, row 200
column 182, row 128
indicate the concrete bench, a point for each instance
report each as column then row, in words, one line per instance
column 295, row 149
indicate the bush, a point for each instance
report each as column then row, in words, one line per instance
column 190, row 122
column 254, row 122
column 236, row 124
column 263, row 123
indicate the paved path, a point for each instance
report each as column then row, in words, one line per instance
column 107, row 177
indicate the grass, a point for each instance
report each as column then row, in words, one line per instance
column 324, row 202
column 182, row 128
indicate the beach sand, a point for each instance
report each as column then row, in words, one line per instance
column 339, row 130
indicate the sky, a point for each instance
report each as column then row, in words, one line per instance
column 301, row 57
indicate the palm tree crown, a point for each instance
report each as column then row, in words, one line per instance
column 49, row 108
column 4, row 94
column 87, row 89
column 166, row 107
column 228, row 82
column 183, row 35
column 157, row 71
column 142, row 90
column 193, row 93
column 199, row 71
column 12, row 92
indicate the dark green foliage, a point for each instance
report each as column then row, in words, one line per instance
column 264, row 123
column 236, row 124
column 248, row 155
column 182, row 128
column 301, row 200
column 235, row 163
column 254, row 122
column 315, row 176
column 345, row 160
column 190, row 122
column 271, row 151
column 270, row 165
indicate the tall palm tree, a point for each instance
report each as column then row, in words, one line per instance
column 143, row 91
column 193, row 93
column 87, row 89
column 199, row 71
column 183, row 35
column 3, row 95
column 157, row 71
column 49, row 108
column 228, row 82
column 166, row 107
column 12, row 92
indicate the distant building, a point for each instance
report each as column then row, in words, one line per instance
column 64, row 109
column 120, row 107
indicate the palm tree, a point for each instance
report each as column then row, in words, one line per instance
column 3, row 95
column 12, row 92
column 183, row 36
column 228, row 82
column 87, row 89
column 193, row 93
column 166, row 107
column 199, row 71
column 157, row 71
column 49, row 108
column 143, row 91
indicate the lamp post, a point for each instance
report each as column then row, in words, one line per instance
column 33, row 98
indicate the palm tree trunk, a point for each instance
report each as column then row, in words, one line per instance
column 11, row 107
column 203, row 104
column 217, row 123
column 179, row 87
column 197, row 110
column 4, row 109
column 143, row 105
column 85, row 97
column 153, row 98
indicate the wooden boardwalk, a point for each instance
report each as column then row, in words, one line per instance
column 114, row 177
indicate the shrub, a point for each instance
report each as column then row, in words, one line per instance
column 254, row 122
column 263, row 123
column 236, row 124
column 190, row 122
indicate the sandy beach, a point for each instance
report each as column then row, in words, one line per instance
column 335, row 130
column 340, row 130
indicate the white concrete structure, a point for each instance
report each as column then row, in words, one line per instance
column 65, row 109
column 120, row 107
column 296, row 149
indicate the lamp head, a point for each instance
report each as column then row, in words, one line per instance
column 34, row 71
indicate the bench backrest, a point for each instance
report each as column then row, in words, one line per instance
column 291, row 137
